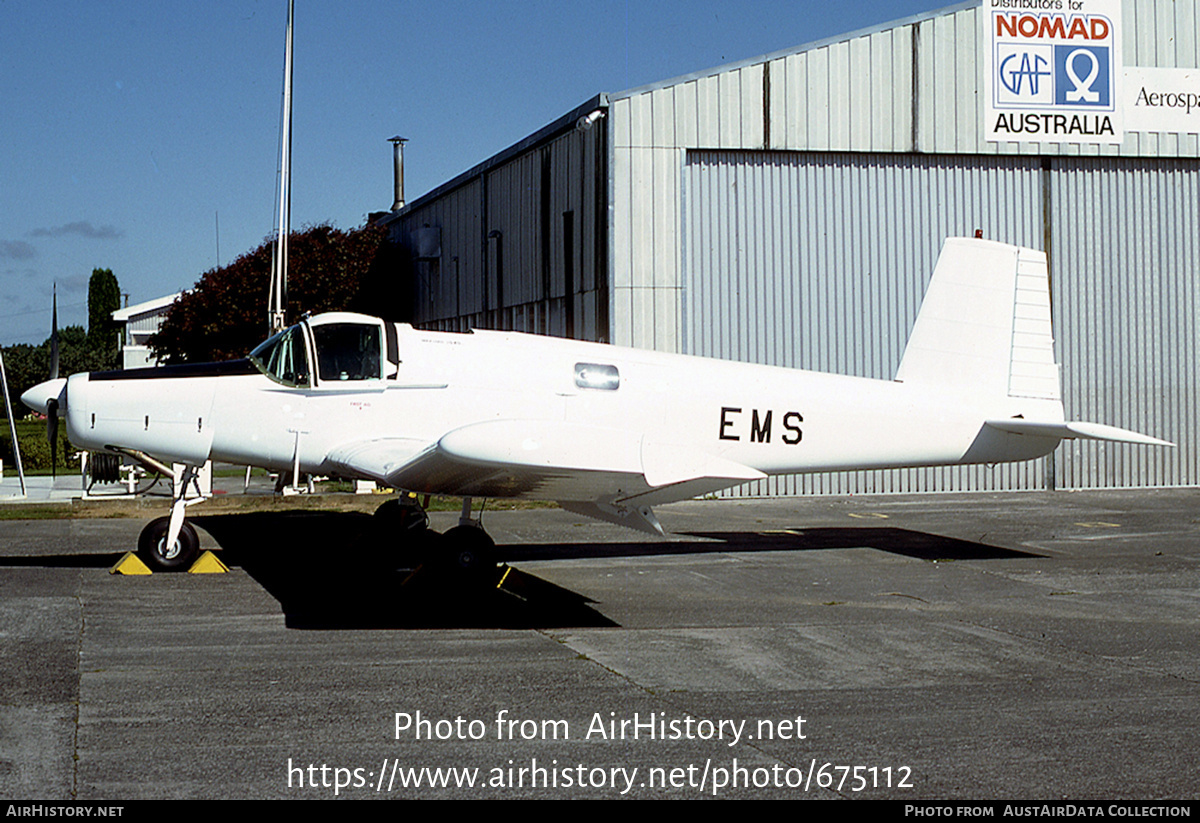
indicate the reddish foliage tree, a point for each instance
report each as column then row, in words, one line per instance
column 225, row 315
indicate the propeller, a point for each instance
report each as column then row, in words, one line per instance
column 52, row 433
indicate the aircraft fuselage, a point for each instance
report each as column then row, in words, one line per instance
column 775, row 420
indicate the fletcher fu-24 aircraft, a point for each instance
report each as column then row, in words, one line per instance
column 608, row 432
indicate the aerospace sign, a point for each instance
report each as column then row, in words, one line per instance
column 1051, row 71
column 1163, row 100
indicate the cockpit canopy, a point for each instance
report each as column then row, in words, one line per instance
column 347, row 351
column 283, row 357
column 345, row 347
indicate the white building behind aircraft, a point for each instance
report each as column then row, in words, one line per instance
column 139, row 323
column 788, row 210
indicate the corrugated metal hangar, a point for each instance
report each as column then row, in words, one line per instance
column 788, row 209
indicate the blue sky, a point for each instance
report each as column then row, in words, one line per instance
column 129, row 130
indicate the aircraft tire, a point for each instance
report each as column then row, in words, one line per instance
column 401, row 517
column 471, row 550
column 154, row 552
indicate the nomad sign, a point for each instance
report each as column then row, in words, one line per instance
column 1052, row 69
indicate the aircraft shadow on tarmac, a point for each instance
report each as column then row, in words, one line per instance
column 906, row 542
column 918, row 545
column 337, row 570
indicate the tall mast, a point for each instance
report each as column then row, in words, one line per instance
column 12, row 425
column 278, row 292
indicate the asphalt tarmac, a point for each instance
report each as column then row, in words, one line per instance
column 1035, row 646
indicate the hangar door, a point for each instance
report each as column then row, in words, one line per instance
column 820, row 261
column 1125, row 274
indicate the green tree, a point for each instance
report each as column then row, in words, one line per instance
column 225, row 315
column 27, row 365
column 104, row 298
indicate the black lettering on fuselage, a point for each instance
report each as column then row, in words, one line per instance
column 726, row 422
column 760, row 434
column 791, row 422
column 761, row 425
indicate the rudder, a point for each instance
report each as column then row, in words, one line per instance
column 984, row 326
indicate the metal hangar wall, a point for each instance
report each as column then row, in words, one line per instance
column 789, row 210
column 520, row 241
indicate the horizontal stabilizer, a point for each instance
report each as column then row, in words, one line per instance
column 1078, row 429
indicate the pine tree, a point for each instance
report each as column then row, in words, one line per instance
column 104, row 298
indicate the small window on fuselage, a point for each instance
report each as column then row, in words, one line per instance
column 597, row 376
column 347, row 351
column 283, row 358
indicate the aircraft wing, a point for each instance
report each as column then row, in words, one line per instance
column 375, row 459
column 605, row 473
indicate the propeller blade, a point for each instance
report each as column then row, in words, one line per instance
column 54, row 336
column 52, row 433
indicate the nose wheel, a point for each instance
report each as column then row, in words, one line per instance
column 159, row 555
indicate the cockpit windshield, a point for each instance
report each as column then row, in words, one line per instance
column 283, row 358
column 347, row 351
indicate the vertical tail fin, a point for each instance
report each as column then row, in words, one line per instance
column 984, row 333
column 984, row 326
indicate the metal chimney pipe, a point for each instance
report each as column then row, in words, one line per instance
column 398, row 162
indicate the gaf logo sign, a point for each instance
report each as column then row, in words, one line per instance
column 1052, row 72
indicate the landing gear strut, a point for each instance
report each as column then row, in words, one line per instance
column 404, row 515
column 471, row 549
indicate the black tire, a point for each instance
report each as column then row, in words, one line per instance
column 402, row 516
column 154, row 552
column 471, row 550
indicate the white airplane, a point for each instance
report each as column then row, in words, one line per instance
column 606, row 431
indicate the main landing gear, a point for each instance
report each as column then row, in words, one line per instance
column 466, row 548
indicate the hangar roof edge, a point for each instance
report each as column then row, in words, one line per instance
column 815, row 44
column 603, row 99
column 543, row 135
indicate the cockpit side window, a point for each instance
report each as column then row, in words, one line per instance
column 348, row 351
column 283, row 358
